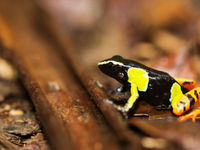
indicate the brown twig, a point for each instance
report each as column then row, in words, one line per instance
column 68, row 115
column 112, row 116
column 182, row 142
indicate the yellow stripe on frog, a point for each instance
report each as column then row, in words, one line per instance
column 139, row 77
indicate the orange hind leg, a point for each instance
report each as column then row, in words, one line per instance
column 193, row 114
column 195, row 94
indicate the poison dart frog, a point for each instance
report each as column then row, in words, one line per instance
column 156, row 87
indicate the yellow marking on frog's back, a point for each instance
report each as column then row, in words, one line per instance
column 176, row 93
column 139, row 77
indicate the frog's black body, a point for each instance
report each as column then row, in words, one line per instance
column 159, row 86
column 158, row 91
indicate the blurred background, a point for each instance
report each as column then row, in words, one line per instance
column 160, row 34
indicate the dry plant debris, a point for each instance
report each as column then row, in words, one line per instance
column 161, row 34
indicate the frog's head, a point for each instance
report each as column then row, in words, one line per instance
column 115, row 68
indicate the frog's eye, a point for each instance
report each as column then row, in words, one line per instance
column 120, row 75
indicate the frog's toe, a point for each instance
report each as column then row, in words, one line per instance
column 194, row 118
column 196, row 114
column 193, row 115
column 123, row 109
column 184, row 118
column 120, row 108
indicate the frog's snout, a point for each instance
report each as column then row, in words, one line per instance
column 106, row 67
column 102, row 66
